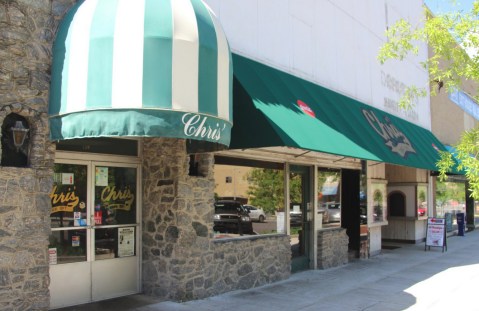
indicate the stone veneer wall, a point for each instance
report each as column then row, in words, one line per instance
column 181, row 260
column 27, row 30
column 247, row 262
column 332, row 248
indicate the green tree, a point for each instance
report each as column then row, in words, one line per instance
column 266, row 189
column 454, row 42
column 449, row 191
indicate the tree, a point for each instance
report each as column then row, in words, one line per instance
column 267, row 189
column 454, row 41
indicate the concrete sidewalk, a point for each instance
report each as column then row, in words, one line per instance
column 404, row 278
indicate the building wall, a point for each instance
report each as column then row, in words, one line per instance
column 239, row 185
column 181, row 259
column 331, row 43
column 27, row 29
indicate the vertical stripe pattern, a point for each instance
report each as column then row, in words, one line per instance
column 208, row 53
column 185, row 57
column 157, row 54
column 78, row 63
column 128, row 55
column 152, row 54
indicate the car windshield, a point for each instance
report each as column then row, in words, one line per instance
column 221, row 208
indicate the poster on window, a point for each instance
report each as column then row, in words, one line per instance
column 67, row 178
column 75, row 241
column 126, row 241
column 101, row 176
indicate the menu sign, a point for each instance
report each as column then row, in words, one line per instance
column 436, row 233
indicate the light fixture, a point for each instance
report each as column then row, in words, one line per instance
column 19, row 134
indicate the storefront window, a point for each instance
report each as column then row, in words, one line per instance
column 450, row 199
column 114, row 242
column 363, row 198
column 69, row 196
column 68, row 214
column 378, row 200
column 421, row 200
column 258, row 188
column 67, row 246
column 111, row 219
column 115, row 191
column 329, row 197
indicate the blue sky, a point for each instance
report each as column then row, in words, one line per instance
column 444, row 6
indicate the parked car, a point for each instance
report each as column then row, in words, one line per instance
column 334, row 211
column 255, row 213
column 232, row 217
column 325, row 214
column 421, row 211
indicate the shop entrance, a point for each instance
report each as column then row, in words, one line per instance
column 300, row 216
column 95, row 227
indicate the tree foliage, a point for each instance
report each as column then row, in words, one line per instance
column 454, row 42
column 266, row 189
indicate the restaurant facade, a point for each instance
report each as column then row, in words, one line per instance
column 128, row 105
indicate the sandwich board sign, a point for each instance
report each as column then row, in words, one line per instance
column 436, row 233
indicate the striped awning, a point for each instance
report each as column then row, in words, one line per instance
column 148, row 68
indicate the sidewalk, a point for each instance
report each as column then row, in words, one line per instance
column 404, row 278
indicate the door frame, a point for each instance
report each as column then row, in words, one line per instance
column 310, row 208
column 92, row 160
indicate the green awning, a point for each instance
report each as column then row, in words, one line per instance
column 143, row 68
column 273, row 108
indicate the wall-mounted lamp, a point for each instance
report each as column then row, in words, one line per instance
column 19, row 134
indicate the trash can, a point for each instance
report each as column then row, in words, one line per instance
column 461, row 224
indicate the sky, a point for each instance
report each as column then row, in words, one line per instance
column 444, row 6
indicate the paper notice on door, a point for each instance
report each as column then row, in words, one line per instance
column 75, row 241
column 67, row 178
column 52, row 256
column 126, row 241
column 101, row 176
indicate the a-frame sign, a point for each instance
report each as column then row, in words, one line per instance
column 436, row 233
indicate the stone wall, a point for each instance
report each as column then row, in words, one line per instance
column 27, row 29
column 177, row 222
column 332, row 248
column 247, row 262
column 181, row 259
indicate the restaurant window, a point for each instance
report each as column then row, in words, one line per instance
column 397, row 204
column 378, row 200
column 248, row 196
column 329, row 197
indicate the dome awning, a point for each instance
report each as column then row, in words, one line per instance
column 145, row 68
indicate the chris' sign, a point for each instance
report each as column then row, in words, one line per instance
column 392, row 136
column 197, row 126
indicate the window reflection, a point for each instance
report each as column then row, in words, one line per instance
column 114, row 243
column 68, row 245
column 329, row 197
column 68, row 196
column 115, row 196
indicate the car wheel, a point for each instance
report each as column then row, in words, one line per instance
column 261, row 218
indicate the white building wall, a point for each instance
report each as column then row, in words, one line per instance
column 333, row 43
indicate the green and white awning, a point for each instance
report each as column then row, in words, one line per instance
column 150, row 68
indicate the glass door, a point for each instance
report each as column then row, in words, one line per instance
column 94, row 241
column 114, row 227
column 300, row 216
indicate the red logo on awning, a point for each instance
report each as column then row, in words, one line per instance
column 306, row 109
